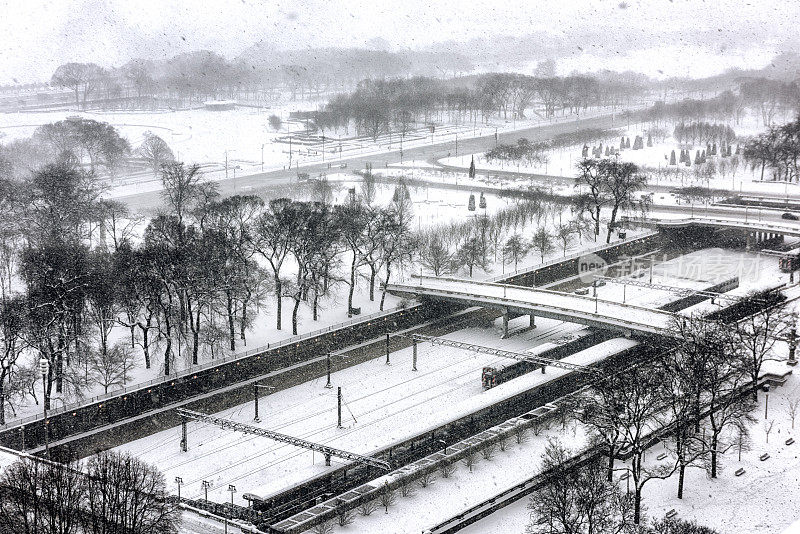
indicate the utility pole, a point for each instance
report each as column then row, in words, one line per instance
column 44, row 368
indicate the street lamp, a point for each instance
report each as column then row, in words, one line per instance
column 44, row 368
column 179, row 481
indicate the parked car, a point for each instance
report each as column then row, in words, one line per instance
column 582, row 291
column 789, row 216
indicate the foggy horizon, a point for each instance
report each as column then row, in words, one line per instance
column 694, row 40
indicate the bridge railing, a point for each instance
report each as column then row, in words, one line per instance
column 646, row 325
column 569, row 257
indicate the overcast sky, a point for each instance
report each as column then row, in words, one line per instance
column 673, row 37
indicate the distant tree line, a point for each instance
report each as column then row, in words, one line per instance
column 86, row 143
column 380, row 106
column 255, row 75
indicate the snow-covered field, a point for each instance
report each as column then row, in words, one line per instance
column 562, row 161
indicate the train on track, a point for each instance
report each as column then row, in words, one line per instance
column 555, row 349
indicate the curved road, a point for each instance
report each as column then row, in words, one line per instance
column 143, row 202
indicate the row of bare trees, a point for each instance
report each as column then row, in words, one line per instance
column 111, row 493
column 88, row 143
column 696, row 398
column 777, row 149
column 380, row 106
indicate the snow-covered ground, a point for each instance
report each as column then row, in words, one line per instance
column 243, row 140
column 562, row 161
column 762, row 500
column 388, row 403
column 384, row 404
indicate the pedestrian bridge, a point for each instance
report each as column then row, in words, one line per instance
column 519, row 300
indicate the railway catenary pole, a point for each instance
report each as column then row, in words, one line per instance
column 339, row 406
column 184, row 444
column 255, row 399
column 328, row 385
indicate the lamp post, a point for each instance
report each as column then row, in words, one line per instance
column 44, row 368
column 179, row 481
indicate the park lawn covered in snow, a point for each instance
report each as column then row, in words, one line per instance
column 562, row 161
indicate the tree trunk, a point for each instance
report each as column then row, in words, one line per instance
column 60, row 373
column 243, row 324
column 611, row 452
column 314, row 306
column 714, row 456
column 279, row 301
column 597, row 223
column 681, row 472
column 372, row 274
column 168, row 348
column 145, row 346
column 231, row 324
column 383, row 296
column 352, row 286
column 294, row 315
column 637, row 504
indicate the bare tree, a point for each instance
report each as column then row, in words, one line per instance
column 757, row 332
column 155, row 152
column 434, row 254
column 344, row 515
column 447, row 469
column 577, row 500
column 387, row 497
column 470, row 459
column 515, row 249
column 125, row 494
column 111, row 367
column 12, row 343
column 367, row 507
column 542, row 242
column 793, row 405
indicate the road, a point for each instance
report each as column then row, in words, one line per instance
column 148, row 201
